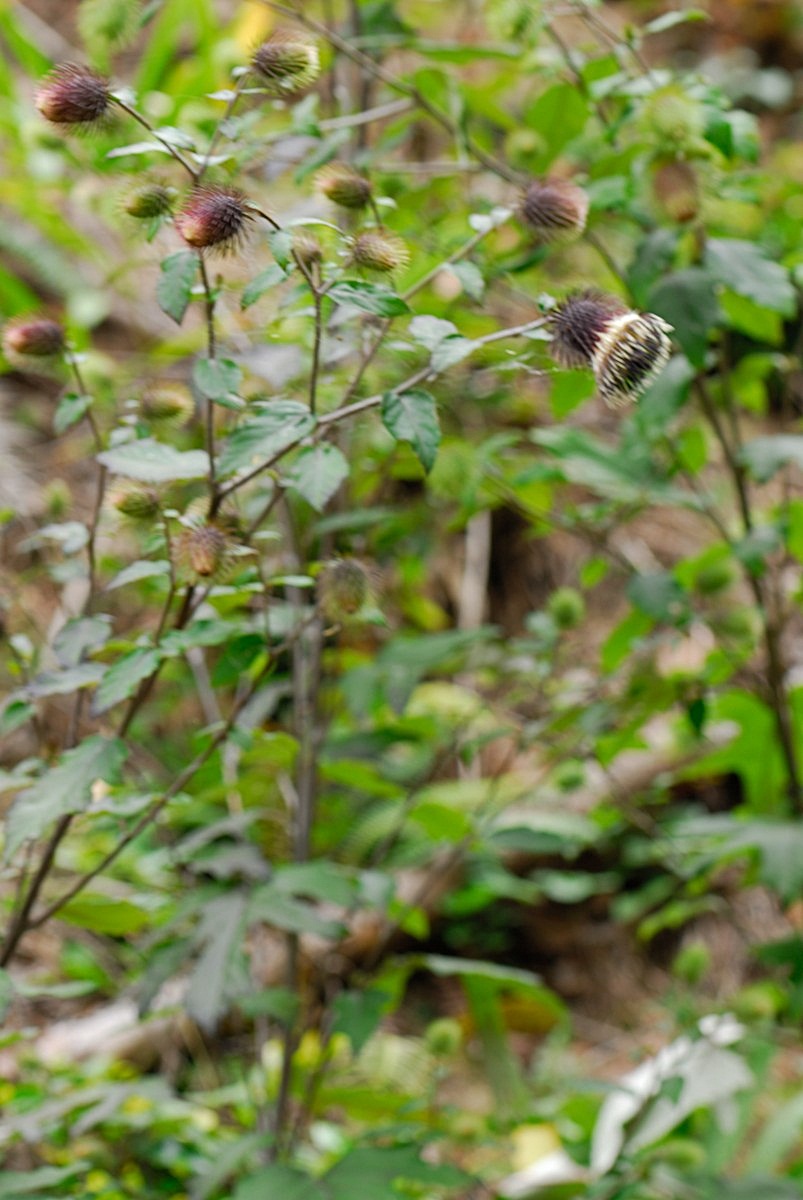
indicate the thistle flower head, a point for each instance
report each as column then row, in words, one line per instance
column 136, row 501
column 287, row 62
column 343, row 589
column 554, row 209
column 625, row 349
column 168, row 403
column 203, row 550
column 378, row 250
column 73, row 95
column 341, row 184
column 214, row 217
column 306, row 248
column 148, row 201
column 33, row 337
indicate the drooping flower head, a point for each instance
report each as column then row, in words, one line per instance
column 214, row 217
column 73, row 95
column 341, row 184
column 33, row 337
column 625, row 349
column 555, row 210
column 378, row 250
column 287, row 62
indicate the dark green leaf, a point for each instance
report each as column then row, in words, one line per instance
column 278, row 425
column 743, row 267
column 279, row 1181
column 154, row 462
column 123, row 676
column 261, row 284
column 270, row 904
column 174, row 289
column 63, row 789
column 660, row 596
column 413, row 417
column 369, row 297
column 764, row 456
column 317, row 473
column 220, row 933
column 687, row 300
column 357, row 1014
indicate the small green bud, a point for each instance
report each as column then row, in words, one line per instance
column 444, row 1037
column 566, row 607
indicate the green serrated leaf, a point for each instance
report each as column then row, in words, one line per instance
column 278, row 425
column 369, row 297
column 745, row 269
column 261, row 284
column 217, row 378
column 174, row 289
column 154, row 462
column 413, row 417
column 102, row 914
column 69, row 411
column 764, row 456
column 317, row 473
column 65, row 788
column 123, row 676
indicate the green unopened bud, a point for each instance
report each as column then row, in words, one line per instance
column 287, row 62
column 566, row 607
column 169, row 403
column 377, row 250
column 343, row 589
column 343, row 185
column 306, row 248
column 715, row 577
column 444, row 1037
column 135, row 500
column 149, row 201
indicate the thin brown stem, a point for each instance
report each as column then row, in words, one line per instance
column 145, row 123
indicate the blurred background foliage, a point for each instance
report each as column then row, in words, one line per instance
column 554, row 744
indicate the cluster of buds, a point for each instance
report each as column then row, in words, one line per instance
column 344, row 186
column 287, row 63
column 380, row 251
column 555, row 210
column 214, row 217
column 74, row 96
column 625, row 349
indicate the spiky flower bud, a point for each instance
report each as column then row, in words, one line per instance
column 674, row 118
column 73, row 95
column 148, row 201
column 675, row 188
column 378, row 250
column 343, row 589
column 287, row 62
column 625, row 349
column 306, row 248
column 341, row 184
column 33, row 337
column 134, row 500
column 169, row 402
column 214, row 217
column 203, row 549
column 554, row 209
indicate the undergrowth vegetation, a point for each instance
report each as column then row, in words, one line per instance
column 401, row 651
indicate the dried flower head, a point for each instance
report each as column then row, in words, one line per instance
column 148, row 201
column 287, row 62
column 168, row 403
column 554, row 209
column 203, row 550
column 33, row 337
column 214, row 217
column 625, row 349
column 73, row 95
column 341, row 184
column 343, row 589
column 306, row 248
column 676, row 191
column 136, row 501
column 378, row 250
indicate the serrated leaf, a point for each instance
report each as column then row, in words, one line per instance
column 745, row 269
column 413, row 417
column 123, row 677
column 217, row 378
column 150, row 461
column 278, row 425
column 369, row 297
column 174, row 289
column 764, row 456
column 430, row 331
column 143, row 569
column 78, row 636
column 281, row 247
column 65, row 788
column 471, row 278
column 317, row 473
column 271, row 905
column 62, row 683
column 220, row 933
column 261, row 284
column 687, row 300
column 69, row 411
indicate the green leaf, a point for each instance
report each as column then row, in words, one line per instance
column 764, row 456
column 373, row 1170
column 268, row 903
column 278, row 1180
column 687, row 300
column 369, row 297
column 217, row 378
column 659, row 595
column 220, row 933
column 261, row 284
column 14, row 1184
column 281, row 247
column 263, row 438
column 69, row 411
column 745, row 269
column 80, row 635
column 413, row 417
column 318, row 881
column 154, row 462
column 104, row 914
column 62, row 683
column 174, row 289
column 64, row 789
column 471, row 278
column 6, row 996
column 123, row 676
column 358, row 1013
column 559, row 114
column 317, row 473
column 144, row 568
